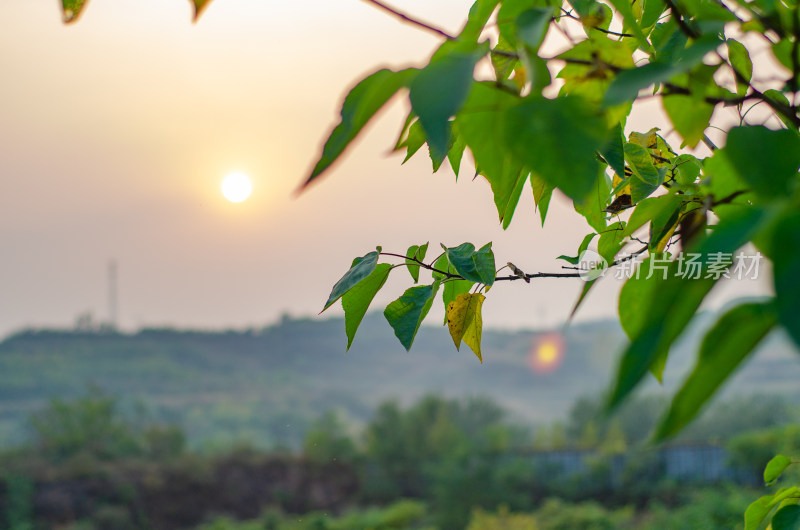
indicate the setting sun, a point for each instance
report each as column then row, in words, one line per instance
column 236, row 187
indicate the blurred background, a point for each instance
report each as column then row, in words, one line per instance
column 162, row 364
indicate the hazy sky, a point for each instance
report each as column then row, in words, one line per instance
column 116, row 131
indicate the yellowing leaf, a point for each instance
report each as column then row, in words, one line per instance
column 465, row 322
column 648, row 139
column 662, row 244
column 625, row 190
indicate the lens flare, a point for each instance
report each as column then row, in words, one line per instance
column 547, row 352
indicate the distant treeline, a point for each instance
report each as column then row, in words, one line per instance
column 89, row 465
column 264, row 386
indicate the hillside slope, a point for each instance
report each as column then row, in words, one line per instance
column 264, row 386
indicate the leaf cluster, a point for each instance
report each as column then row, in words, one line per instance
column 558, row 122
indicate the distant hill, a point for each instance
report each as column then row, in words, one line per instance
column 264, row 386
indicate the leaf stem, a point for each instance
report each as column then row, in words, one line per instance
column 422, row 264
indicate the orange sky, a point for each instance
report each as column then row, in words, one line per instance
column 116, row 131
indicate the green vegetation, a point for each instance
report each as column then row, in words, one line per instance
column 456, row 463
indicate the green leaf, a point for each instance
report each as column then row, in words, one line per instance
column 669, row 41
column 465, row 322
column 614, row 151
column 767, row 160
column 623, row 7
column 758, row 510
column 674, row 301
column 457, row 151
column 740, row 60
column 689, row 115
column 532, row 26
column 785, row 240
column 479, row 14
column 583, row 246
column 640, row 190
column 778, row 97
column 356, row 301
column 402, row 138
column 787, row 518
column 610, row 241
column 628, row 83
column 505, row 61
column 593, row 207
column 724, row 347
column 724, row 180
column 651, row 12
column 475, row 266
column 407, row 312
column 452, row 288
column 587, row 286
column 774, row 468
column 481, row 124
column 686, row 168
column 662, row 226
column 557, row 139
column 360, row 269
column 414, row 141
column 418, row 252
column 542, row 193
column 360, row 105
column 442, row 264
column 708, row 11
column 641, row 163
column 648, row 209
column 438, row 92
column 509, row 202
column 71, row 9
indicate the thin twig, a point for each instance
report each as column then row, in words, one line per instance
column 788, row 112
column 405, row 18
column 424, row 265
column 569, row 14
column 682, row 24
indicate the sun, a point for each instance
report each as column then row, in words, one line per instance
column 236, row 187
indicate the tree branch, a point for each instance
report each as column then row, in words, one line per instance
column 423, row 265
column 682, row 24
column 569, row 14
column 405, row 18
column 788, row 111
column 525, row 277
